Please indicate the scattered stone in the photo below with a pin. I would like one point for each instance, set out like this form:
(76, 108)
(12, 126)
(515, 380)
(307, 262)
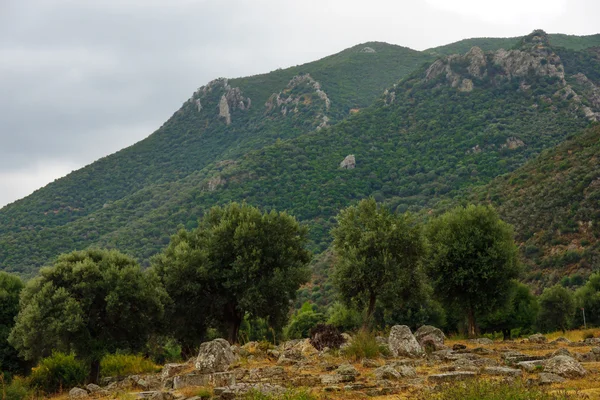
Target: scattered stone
(451, 376)
(531, 366)
(334, 379)
(458, 347)
(561, 352)
(537, 338)
(349, 162)
(591, 341)
(548, 378)
(347, 369)
(170, 370)
(369, 363)
(78, 393)
(240, 389)
(215, 356)
(406, 371)
(93, 388)
(503, 371)
(564, 366)
(387, 372)
(402, 342)
(216, 379)
(482, 351)
(430, 337)
(482, 341)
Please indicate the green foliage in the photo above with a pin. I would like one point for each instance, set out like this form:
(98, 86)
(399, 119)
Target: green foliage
(588, 297)
(480, 389)
(126, 364)
(238, 262)
(163, 350)
(89, 302)
(344, 318)
(56, 373)
(473, 260)
(17, 389)
(363, 345)
(557, 308)
(10, 289)
(302, 321)
(290, 394)
(379, 256)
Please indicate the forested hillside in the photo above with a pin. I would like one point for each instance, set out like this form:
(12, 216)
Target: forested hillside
(277, 141)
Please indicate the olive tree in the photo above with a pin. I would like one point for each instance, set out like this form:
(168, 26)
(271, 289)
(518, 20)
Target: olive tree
(89, 302)
(238, 262)
(472, 261)
(10, 289)
(378, 256)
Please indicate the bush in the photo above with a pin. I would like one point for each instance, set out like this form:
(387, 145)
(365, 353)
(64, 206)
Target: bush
(363, 345)
(17, 389)
(126, 364)
(486, 390)
(57, 373)
(344, 318)
(324, 335)
(299, 394)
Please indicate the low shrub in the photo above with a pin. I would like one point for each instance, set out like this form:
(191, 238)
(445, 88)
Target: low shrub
(488, 390)
(57, 373)
(298, 394)
(16, 389)
(324, 335)
(363, 345)
(126, 364)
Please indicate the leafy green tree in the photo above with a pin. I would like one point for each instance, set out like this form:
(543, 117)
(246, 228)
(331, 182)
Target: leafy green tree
(10, 288)
(378, 256)
(89, 302)
(521, 312)
(344, 318)
(557, 306)
(588, 298)
(242, 261)
(473, 260)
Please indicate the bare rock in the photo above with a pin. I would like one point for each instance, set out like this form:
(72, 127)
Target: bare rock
(368, 50)
(78, 393)
(502, 371)
(538, 337)
(387, 372)
(548, 378)
(214, 379)
(215, 356)
(347, 369)
(531, 366)
(403, 343)
(482, 341)
(451, 377)
(430, 337)
(170, 370)
(349, 162)
(93, 388)
(564, 366)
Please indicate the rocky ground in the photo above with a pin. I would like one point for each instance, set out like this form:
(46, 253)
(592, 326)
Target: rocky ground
(417, 364)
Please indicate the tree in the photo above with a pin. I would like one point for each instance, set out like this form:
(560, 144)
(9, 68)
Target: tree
(90, 302)
(10, 288)
(472, 261)
(303, 320)
(557, 307)
(242, 261)
(521, 312)
(588, 298)
(378, 256)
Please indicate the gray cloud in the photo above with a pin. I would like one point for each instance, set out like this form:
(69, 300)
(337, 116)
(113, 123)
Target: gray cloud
(81, 79)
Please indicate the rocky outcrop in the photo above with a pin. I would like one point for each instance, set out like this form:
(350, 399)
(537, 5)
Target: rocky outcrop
(78, 393)
(538, 338)
(231, 98)
(214, 182)
(368, 49)
(564, 366)
(349, 162)
(430, 337)
(214, 356)
(403, 343)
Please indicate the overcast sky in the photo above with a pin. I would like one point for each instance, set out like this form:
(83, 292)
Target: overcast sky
(80, 79)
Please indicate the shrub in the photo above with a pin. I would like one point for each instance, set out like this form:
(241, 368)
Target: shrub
(17, 389)
(126, 364)
(486, 390)
(324, 335)
(363, 345)
(344, 318)
(298, 394)
(58, 372)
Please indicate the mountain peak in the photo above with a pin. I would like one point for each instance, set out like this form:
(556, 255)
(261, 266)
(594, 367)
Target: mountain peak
(536, 39)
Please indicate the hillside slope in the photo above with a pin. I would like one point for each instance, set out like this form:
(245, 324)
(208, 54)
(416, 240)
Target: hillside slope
(450, 125)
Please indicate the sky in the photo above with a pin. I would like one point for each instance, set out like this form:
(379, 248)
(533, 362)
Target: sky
(81, 79)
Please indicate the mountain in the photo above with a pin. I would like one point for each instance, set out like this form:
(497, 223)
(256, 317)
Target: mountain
(314, 138)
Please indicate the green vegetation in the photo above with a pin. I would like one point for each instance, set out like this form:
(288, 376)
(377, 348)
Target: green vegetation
(58, 372)
(126, 364)
(490, 390)
(379, 257)
(302, 321)
(557, 307)
(10, 289)
(300, 394)
(238, 262)
(90, 302)
(473, 260)
(363, 345)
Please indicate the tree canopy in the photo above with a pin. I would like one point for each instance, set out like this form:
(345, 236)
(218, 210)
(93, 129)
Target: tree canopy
(378, 253)
(240, 260)
(90, 302)
(473, 260)
(10, 288)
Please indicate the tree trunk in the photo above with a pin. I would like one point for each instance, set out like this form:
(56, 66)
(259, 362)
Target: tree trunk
(370, 311)
(94, 371)
(471, 323)
(506, 334)
(234, 328)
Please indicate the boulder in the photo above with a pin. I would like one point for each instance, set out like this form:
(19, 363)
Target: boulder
(548, 379)
(459, 347)
(215, 379)
(78, 393)
(430, 337)
(564, 366)
(402, 342)
(531, 366)
(451, 377)
(561, 339)
(215, 356)
(93, 388)
(502, 371)
(347, 369)
(482, 341)
(170, 370)
(387, 372)
(349, 162)
(537, 338)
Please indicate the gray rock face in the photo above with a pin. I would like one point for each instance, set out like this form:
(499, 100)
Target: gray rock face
(93, 388)
(368, 50)
(78, 393)
(170, 370)
(349, 162)
(214, 356)
(430, 337)
(564, 366)
(347, 369)
(482, 341)
(538, 338)
(531, 366)
(502, 371)
(387, 372)
(451, 377)
(214, 379)
(561, 339)
(402, 342)
(548, 379)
